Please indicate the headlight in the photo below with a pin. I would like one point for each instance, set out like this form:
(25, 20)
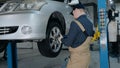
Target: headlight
(26, 30)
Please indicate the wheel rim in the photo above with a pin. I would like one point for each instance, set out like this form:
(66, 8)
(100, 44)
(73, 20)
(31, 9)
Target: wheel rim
(54, 42)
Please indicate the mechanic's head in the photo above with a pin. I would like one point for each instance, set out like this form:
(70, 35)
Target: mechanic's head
(79, 6)
(78, 10)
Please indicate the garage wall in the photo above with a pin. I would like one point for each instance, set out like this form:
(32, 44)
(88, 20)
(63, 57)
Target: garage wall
(88, 1)
(27, 45)
(118, 18)
(118, 8)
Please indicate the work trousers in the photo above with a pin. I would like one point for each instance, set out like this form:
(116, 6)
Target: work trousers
(80, 56)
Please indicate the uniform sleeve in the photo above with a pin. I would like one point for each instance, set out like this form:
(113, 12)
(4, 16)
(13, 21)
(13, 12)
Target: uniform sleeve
(68, 39)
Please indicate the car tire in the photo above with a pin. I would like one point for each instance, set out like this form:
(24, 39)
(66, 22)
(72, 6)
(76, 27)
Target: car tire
(51, 46)
(3, 45)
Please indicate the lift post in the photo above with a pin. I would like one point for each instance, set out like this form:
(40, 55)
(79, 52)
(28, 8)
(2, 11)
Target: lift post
(12, 55)
(102, 21)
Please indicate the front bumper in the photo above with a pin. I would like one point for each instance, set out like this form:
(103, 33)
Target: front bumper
(18, 21)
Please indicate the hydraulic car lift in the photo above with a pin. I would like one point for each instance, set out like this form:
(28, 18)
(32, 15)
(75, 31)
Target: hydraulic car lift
(104, 61)
(12, 54)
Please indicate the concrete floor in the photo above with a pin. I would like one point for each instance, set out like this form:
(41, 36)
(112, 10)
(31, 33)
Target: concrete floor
(31, 58)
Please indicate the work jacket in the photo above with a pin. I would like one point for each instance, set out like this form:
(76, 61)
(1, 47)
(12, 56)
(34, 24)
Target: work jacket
(75, 36)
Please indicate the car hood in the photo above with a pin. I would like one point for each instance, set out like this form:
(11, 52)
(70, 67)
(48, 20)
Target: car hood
(21, 16)
(18, 18)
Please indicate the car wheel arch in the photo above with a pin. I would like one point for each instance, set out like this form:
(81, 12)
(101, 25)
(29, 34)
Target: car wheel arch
(57, 16)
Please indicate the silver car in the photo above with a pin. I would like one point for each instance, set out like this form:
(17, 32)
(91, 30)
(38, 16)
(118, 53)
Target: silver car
(40, 21)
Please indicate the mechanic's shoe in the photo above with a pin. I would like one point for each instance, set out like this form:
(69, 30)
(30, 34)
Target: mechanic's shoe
(73, 2)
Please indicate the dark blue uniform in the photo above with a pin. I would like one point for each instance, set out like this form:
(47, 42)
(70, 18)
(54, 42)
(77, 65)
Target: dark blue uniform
(76, 36)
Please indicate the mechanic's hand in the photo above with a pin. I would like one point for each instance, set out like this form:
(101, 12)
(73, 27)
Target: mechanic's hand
(59, 38)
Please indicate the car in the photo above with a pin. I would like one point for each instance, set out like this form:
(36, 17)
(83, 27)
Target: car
(3, 44)
(36, 21)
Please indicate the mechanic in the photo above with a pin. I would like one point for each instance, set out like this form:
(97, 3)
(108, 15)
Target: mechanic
(77, 40)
